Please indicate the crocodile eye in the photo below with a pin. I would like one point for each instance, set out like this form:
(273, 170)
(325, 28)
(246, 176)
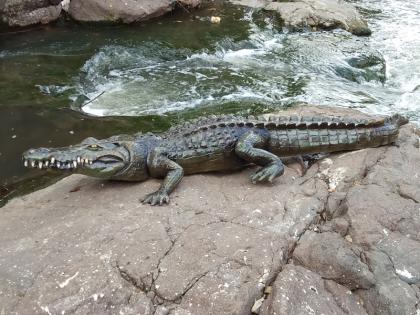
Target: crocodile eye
(94, 147)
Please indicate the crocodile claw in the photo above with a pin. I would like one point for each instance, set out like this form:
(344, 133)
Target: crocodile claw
(267, 174)
(156, 198)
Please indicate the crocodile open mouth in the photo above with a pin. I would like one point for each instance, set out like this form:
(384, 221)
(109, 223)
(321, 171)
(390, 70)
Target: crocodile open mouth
(78, 162)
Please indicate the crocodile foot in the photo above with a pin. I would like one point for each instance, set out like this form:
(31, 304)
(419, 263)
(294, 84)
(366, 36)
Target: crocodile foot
(268, 173)
(156, 198)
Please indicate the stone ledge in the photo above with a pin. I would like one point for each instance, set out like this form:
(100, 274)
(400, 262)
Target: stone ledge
(84, 246)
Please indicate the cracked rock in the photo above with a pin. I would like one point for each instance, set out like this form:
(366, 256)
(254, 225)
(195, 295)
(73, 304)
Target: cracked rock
(390, 295)
(329, 255)
(300, 291)
(223, 241)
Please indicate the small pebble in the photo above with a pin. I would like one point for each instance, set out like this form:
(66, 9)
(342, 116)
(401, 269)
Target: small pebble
(215, 19)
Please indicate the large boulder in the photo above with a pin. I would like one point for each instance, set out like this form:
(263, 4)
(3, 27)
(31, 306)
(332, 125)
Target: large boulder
(316, 14)
(28, 12)
(126, 11)
(342, 239)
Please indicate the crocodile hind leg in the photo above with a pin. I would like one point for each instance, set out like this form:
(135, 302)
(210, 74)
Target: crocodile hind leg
(299, 159)
(249, 147)
(160, 166)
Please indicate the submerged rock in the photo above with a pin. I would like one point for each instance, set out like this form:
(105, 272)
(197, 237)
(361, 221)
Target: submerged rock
(364, 67)
(316, 14)
(28, 12)
(86, 246)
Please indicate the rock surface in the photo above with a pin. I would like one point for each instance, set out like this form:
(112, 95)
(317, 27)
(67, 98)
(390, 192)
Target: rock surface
(126, 11)
(343, 239)
(316, 14)
(28, 12)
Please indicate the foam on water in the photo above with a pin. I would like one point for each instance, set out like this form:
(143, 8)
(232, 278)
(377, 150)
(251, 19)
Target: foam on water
(378, 74)
(402, 51)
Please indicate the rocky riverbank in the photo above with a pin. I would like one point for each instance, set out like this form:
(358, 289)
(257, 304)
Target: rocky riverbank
(313, 14)
(28, 12)
(342, 239)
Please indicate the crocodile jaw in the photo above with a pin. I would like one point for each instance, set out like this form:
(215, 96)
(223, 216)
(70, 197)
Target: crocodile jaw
(103, 165)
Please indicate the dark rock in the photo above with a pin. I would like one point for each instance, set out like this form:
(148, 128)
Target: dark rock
(364, 68)
(28, 12)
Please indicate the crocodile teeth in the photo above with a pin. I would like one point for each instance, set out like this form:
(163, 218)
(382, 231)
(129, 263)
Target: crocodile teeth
(52, 160)
(78, 160)
(40, 165)
(46, 163)
(26, 163)
(86, 161)
(33, 163)
(68, 166)
(90, 162)
(58, 164)
(74, 164)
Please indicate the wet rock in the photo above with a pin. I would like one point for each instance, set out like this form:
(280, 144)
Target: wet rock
(222, 242)
(28, 12)
(364, 68)
(316, 14)
(127, 11)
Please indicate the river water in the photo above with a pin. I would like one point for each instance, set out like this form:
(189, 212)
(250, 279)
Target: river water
(61, 83)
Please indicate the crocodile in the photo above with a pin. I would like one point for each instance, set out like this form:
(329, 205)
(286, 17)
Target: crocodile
(216, 143)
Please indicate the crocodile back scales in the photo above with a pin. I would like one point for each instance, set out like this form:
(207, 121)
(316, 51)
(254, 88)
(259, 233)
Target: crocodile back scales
(289, 135)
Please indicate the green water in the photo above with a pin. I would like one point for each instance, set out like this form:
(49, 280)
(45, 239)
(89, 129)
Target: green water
(63, 82)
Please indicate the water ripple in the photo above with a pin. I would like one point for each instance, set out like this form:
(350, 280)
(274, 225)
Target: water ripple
(376, 74)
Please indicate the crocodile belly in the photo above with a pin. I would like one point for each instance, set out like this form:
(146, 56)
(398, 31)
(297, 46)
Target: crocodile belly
(211, 162)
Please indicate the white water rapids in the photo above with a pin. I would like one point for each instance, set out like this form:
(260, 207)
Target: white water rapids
(378, 74)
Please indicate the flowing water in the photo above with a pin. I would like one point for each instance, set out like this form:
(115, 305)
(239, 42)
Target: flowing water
(61, 83)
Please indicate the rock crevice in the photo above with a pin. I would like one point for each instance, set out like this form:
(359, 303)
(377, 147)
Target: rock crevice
(341, 239)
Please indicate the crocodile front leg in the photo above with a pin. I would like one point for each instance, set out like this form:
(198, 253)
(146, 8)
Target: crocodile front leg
(161, 166)
(247, 149)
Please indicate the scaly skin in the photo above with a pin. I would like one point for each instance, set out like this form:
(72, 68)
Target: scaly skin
(215, 144)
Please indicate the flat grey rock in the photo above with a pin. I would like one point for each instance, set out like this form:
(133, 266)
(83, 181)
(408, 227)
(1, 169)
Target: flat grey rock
(127, 11)
(223, 245)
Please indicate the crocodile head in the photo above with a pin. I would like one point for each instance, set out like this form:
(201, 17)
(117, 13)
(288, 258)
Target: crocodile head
(113, 158)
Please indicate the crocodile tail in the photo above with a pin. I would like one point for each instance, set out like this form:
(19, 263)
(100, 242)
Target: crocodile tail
(398, 120)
